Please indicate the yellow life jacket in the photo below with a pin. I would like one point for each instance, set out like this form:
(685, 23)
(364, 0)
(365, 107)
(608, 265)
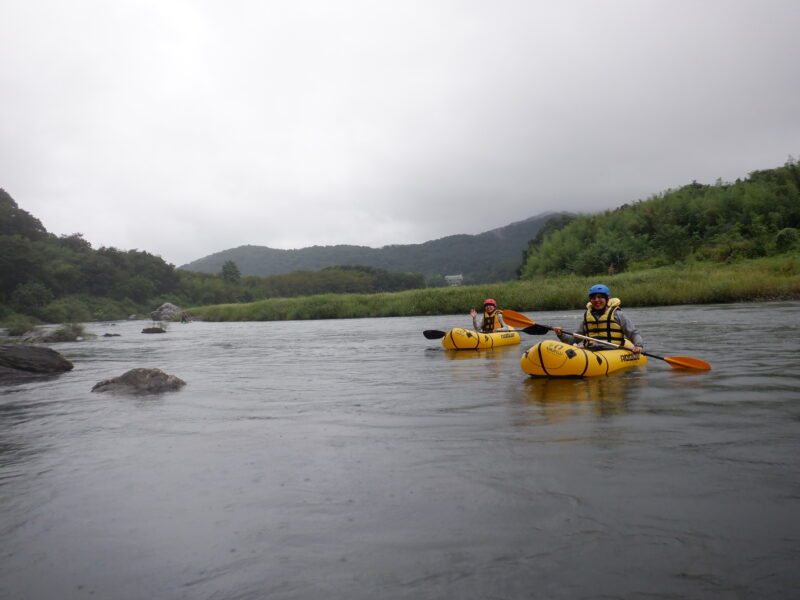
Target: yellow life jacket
(604, 327)
(490, 323)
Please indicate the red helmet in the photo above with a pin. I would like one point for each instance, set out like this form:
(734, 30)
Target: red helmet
(490, 301)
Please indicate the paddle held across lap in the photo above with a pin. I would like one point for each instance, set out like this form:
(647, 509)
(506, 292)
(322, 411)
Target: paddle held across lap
(531, 327)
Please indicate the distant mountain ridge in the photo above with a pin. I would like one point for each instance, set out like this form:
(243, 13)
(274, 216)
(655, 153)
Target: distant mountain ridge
(487, 257)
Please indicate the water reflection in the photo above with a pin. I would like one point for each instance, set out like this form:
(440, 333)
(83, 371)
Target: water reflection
(564, 397)
(468, 354)
(499, 353)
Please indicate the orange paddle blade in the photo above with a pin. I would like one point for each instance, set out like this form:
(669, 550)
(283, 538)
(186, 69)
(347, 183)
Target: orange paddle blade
(687, 362)
(515, 319)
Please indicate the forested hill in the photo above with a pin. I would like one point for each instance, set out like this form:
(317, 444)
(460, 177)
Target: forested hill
(750, 218)
(487, 257)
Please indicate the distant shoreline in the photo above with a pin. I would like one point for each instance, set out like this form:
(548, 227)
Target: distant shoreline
(764, 279)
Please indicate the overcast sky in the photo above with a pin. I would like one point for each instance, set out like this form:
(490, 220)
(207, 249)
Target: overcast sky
(186, 127)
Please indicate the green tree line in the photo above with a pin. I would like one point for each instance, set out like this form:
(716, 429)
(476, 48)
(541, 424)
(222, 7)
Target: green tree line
(755, 217)
(60, 279)
(228, 286)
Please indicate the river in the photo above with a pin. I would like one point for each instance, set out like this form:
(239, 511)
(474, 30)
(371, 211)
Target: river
(356, 459)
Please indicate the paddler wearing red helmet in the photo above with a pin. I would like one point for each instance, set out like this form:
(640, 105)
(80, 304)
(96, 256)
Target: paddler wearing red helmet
(492, 319)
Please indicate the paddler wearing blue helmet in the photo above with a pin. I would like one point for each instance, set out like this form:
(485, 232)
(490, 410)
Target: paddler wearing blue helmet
(604, 320)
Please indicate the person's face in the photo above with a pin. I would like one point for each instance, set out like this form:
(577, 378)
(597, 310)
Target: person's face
(598, 301)
(489, 308)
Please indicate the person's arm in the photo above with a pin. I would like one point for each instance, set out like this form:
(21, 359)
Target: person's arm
(503, 326)
(568, 338)
(474, 314)
(630, 331)
(564, 337)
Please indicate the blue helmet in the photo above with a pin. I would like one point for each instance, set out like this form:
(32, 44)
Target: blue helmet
(599, 289)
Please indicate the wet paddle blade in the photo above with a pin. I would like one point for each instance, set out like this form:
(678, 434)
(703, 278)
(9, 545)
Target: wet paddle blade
(433, 334)
(536, 330)
(687, 362)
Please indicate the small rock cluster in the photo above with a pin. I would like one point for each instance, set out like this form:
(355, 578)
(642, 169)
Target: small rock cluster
(26, 360)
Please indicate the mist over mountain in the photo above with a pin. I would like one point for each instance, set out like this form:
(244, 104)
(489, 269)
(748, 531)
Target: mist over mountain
(491, 256)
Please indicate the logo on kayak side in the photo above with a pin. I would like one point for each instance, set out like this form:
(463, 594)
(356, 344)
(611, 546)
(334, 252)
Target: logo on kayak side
(555, 349)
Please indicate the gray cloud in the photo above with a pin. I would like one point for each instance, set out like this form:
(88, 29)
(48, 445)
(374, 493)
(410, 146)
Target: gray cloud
(184, 128)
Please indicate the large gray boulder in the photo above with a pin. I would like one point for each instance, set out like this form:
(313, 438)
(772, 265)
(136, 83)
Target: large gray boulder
(140, 381)
(165, 312)
(32, 359)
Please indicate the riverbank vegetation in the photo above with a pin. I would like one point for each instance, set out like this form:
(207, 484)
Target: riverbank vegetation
(213, 289)
(771, 278)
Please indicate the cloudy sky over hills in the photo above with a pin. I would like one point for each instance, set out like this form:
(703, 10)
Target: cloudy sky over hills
(188, 127)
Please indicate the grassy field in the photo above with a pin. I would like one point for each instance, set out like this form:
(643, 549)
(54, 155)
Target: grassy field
(761, 279)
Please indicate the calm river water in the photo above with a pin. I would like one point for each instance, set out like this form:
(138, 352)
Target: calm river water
(356, 459)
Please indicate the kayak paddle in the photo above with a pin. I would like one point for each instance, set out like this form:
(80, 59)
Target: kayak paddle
(435, 334)
(531, 327)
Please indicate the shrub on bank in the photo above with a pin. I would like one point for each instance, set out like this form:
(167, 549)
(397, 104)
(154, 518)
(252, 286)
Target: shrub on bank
(17, 325)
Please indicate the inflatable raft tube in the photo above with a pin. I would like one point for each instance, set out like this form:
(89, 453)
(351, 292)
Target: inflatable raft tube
(468, 339)
(551, 358)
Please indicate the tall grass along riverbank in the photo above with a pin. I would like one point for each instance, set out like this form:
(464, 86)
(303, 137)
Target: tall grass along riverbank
(761, 279)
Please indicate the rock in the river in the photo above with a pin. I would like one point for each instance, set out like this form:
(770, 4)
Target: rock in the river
(32, 359)
(67, 333)
(165, 312)
(141, 381)
(154, 330)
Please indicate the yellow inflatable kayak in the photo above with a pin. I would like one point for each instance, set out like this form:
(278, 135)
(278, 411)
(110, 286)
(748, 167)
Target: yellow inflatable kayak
(551, 358)
(468, 339)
